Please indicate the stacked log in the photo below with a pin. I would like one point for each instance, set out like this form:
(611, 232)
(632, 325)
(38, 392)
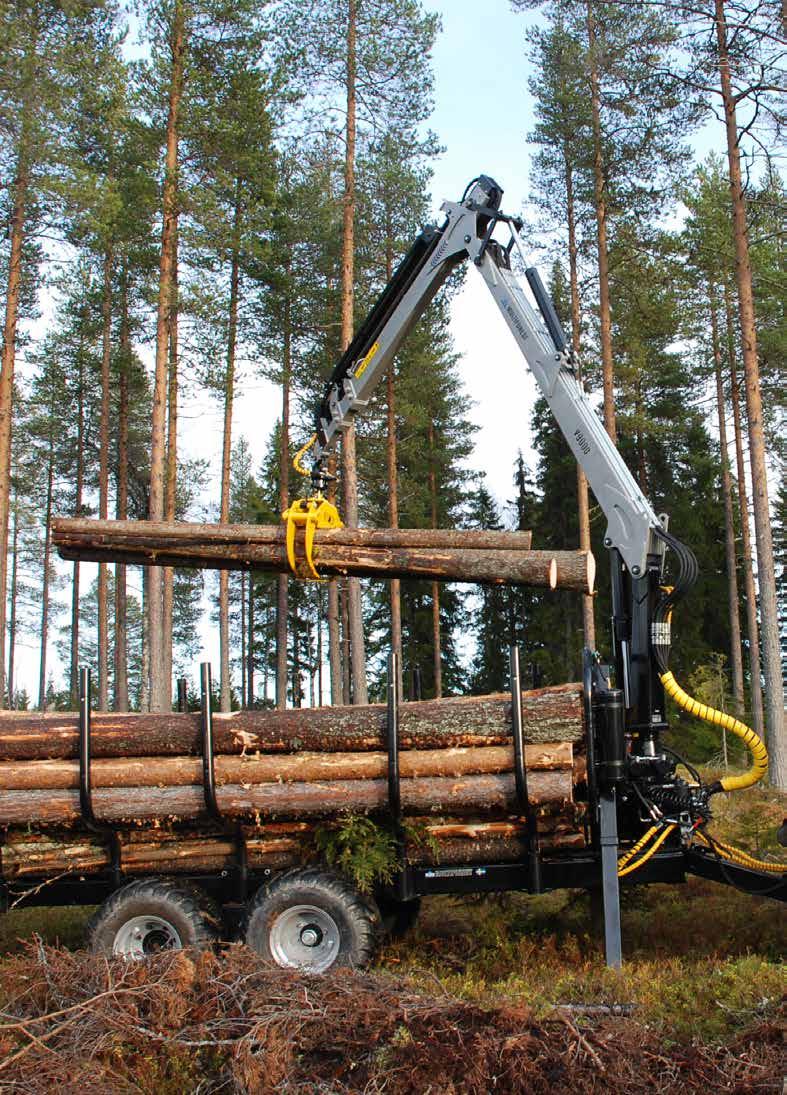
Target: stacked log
(34, 855)
(549, 715)
(494, 558)
(282, 774)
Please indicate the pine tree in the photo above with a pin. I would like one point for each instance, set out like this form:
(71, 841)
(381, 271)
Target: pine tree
(45, 53)
(489, 670)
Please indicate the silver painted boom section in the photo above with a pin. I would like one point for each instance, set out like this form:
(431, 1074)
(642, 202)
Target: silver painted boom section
(630, 518)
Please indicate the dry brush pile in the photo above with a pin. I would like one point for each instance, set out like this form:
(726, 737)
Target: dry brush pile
(197, 1022)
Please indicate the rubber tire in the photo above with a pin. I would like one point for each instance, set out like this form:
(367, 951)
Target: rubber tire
(356, 916)
(191, 913)
(399, 917)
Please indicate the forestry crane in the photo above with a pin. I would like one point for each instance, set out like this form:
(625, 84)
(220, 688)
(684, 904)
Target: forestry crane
(635, 793)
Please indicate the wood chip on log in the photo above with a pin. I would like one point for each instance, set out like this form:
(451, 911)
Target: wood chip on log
(377, 553)
(548, 715)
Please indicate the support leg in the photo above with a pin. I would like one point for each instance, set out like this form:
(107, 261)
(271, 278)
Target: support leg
(609, 878)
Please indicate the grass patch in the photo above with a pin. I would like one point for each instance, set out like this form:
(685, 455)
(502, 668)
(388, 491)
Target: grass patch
(700, 961)
(57, 926)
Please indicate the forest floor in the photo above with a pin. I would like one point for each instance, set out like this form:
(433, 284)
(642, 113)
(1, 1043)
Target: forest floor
(494, 995)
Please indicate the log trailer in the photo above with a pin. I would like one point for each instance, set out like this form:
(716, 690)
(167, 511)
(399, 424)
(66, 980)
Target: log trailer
(644, 822)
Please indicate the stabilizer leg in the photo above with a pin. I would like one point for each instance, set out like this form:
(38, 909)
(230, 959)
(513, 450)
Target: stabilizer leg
(608, 818)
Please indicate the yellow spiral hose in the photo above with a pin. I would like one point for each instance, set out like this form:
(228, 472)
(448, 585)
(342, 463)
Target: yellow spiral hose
(751, 740)
(736, 855)
(633, 866)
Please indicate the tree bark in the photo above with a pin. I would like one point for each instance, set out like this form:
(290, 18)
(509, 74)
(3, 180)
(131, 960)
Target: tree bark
(583, 502)
(600, 203)
(349, 466)
(226, 450)
(50, 479)
(12, 599)
(392, 475)
(121, 505)
(250, 644)
(747, 557)
(171, 481)
(395, 585)
(16, 229)
(549, 715)
(766, 574)
(157, 544)
(73, 675)
(437, 654)
(736, 661)
(282, 583)
(159, 697)
(103, 480)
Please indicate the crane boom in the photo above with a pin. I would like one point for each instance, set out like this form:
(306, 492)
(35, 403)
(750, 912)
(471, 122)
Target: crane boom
(467, 233)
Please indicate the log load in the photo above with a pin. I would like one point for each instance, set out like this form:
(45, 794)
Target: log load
(436, 554)
(548, 715)
(306, 765)
(34, 855)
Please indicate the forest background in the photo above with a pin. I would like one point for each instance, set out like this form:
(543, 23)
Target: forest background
(201, 199)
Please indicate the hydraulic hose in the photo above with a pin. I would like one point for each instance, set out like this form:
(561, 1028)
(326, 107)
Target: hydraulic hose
(728, 722)
(736, 855)
(635, 865)
(637, 848)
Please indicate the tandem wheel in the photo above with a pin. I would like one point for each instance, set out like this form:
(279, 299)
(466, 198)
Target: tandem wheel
(313, 920)
(151, 915)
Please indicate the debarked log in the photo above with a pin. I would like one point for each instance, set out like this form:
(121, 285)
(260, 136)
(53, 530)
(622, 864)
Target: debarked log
(36, 855)
(430, 794)
(457, 556)
(548, 715)
(53, 775)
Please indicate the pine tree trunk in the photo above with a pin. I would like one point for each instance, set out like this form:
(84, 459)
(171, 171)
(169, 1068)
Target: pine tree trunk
(159, 697)
(171, 480)
(345, 621)
(73, 676)
(46, 567)
(335, 643)
(226, 451)
(250, 644)
(103, 481)
(121, 506)
(282, 581)
(600, 203)
(12, 600)
(395, 585)
(747, 557)
(319, 647)
(437, 654)
(16, 231)
(583, 502)
(349, 465)
(766, 574)
(243, 661)
(144, 654)
(736, 662)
